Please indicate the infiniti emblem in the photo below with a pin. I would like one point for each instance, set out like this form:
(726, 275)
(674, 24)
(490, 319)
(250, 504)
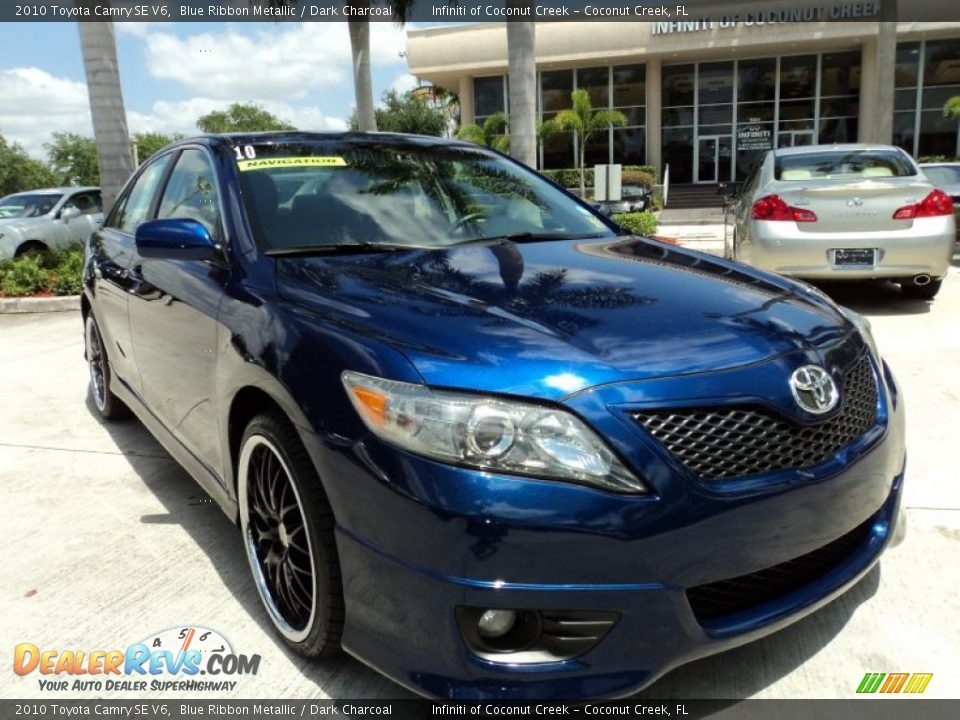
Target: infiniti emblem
(814, 389)
(854, 202)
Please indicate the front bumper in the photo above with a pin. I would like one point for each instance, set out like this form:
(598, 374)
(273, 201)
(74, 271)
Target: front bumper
(923, 249)
(417, 539)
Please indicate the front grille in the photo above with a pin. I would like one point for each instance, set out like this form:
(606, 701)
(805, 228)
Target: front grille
(734, 441)
(729, 597)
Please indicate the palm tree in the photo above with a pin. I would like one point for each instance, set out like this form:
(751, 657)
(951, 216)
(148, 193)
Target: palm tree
(362, 82)
(523, 89)
(115, 158)
(951, 110)
(585, 122)
(494, 133)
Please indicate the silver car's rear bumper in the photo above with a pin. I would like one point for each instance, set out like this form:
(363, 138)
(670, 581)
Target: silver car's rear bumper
(925, 248)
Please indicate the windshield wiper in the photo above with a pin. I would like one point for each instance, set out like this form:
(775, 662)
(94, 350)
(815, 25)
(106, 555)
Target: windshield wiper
(345, 249)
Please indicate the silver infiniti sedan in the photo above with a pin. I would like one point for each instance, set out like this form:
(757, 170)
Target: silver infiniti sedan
(844, 212)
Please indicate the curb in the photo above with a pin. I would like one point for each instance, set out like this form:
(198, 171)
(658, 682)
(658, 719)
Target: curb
(20, 305)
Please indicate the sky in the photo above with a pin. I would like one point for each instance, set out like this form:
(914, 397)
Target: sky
(172, 73)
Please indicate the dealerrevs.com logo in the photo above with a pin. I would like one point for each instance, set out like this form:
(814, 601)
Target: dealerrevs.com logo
(177, 659)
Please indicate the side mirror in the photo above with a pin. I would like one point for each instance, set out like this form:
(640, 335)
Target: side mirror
(728, 190)
(68, 214)
(175, 239)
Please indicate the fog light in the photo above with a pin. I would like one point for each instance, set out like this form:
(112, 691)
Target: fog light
(496, 623)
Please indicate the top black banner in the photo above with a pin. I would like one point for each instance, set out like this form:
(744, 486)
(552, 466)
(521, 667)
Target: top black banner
(676, 16)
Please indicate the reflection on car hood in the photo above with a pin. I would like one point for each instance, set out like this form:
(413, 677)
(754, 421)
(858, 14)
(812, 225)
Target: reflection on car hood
(22, 222)
(550, 318)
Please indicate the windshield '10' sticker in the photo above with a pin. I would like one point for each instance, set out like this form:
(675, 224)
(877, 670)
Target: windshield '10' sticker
(283, 162)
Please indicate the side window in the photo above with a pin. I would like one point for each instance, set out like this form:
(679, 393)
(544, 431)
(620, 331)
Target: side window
(134, 208)
(88, 203)
(192, 193)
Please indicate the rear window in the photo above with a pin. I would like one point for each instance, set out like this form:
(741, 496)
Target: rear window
(843, 165)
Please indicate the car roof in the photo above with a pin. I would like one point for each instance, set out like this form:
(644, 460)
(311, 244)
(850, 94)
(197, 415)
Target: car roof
(806, 149)
(280, 136)
(945, 163)
(53, 191)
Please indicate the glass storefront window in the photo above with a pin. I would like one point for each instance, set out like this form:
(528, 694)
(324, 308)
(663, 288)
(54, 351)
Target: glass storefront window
(630, 146)
(635, 115)
(558, 151)
(755, 112)
(938, 136)
(839, 106)
(678, 82)
(838, 130)
(629, 85)
(715, 83)
(714, 114)
(941, 63)
(596, 81)
(677, 116)
(757, 79)
(797, 109)
(488, 97)
(677, 150)
(905, 99)
(903, 130)
(798, 76)
(598, 149)
(840, 73)
(556, 86)
(908, 65)
(934, 98)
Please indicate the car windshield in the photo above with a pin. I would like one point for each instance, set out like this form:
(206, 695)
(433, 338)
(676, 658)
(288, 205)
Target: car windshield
(318, 194)
(943, 174)
(843, 165)
(23, 206)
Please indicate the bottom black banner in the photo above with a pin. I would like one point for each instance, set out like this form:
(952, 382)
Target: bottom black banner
(877, 708)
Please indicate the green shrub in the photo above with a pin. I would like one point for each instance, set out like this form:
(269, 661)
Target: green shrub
(24, 275)
(641, 223)
(631, 175)
(33, 273)
(68, 273)
(936, 159)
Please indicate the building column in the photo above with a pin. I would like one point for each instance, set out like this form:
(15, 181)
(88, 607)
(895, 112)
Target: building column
(654, 102)
(465, 92)
(886, 69)
(866, 123)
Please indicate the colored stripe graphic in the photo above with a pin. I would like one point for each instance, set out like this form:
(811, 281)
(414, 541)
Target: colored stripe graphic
(913, 683)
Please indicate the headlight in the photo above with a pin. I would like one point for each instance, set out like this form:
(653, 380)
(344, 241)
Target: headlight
(487, 433)
(863, 327)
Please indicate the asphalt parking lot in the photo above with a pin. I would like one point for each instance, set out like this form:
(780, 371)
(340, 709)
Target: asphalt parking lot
(108, 540)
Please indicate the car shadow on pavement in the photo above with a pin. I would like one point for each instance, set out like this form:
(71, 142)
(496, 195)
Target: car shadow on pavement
(738, 673)
(874, 298)
(188, 506)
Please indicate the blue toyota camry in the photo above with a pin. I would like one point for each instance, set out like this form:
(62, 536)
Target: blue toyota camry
(474, 433)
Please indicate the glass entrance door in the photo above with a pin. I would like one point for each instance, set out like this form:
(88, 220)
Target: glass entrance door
(714, 158)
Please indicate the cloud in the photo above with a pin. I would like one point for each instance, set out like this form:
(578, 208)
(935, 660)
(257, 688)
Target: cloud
(404, 83)
(35, 104)
(278, 63)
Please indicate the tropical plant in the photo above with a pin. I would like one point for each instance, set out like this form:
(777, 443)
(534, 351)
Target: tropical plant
(150, 142)
(951, 110)
(405, 113)
(494, 133)
(582, 119)
(241, 117)
(73, 158)
(19, 171)
(99, 49)
(638, 223)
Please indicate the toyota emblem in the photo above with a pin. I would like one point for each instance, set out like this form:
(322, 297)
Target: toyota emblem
(814, 389)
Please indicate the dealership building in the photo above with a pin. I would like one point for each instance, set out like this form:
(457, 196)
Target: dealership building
(708, 96)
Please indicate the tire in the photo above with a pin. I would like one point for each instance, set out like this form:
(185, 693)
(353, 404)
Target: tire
(921, 292)
(287, 529)
(108, 405)
(31, 247)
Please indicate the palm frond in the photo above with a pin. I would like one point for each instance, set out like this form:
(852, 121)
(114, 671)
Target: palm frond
(951, 110)
(471, 133)
(602, 119)
(568, 120)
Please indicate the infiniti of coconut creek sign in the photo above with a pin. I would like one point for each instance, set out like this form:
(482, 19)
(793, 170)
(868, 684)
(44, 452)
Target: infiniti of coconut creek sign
(816, 13)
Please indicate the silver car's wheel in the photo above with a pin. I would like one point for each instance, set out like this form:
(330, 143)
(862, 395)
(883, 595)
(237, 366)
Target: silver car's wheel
(287, 530)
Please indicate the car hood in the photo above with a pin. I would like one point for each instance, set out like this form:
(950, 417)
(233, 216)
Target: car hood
(548, 319)
(19, 223)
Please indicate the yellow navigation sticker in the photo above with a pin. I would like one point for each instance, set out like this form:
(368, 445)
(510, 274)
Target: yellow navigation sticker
(285, 162)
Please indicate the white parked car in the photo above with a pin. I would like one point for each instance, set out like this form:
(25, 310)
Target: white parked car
(844, 212)
(51, 219)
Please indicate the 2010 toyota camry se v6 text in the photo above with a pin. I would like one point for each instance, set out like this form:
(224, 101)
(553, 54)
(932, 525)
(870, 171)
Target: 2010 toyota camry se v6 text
(472, 432)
